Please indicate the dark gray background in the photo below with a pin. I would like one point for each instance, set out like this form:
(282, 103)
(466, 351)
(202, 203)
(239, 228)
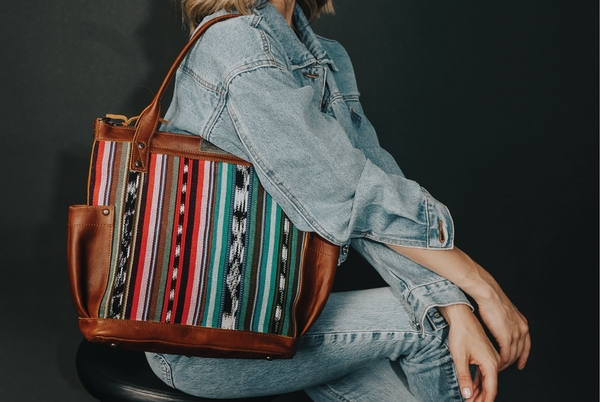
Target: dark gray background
(492, 106)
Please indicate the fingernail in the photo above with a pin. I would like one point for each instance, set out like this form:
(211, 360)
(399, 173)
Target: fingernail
(466, 393)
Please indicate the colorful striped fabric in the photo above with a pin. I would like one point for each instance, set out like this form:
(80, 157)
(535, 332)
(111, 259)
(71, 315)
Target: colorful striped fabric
(196, 242)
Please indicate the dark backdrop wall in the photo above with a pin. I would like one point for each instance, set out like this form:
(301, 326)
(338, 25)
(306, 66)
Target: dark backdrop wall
(491, 106)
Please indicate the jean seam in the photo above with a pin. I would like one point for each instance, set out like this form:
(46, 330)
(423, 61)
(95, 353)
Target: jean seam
(166, 370)
(328, 390)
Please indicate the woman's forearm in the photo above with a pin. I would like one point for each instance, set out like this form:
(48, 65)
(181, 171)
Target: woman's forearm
(502, 318)
(457, 267)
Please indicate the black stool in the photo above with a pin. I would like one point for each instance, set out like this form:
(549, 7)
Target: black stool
(119, 375)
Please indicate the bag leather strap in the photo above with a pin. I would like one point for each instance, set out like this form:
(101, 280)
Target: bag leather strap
(148, 121)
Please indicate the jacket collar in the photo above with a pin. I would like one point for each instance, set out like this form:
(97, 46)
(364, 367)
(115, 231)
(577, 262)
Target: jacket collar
(301, 52)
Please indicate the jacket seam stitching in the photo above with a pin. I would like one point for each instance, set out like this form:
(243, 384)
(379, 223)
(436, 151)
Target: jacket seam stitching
(201, 82)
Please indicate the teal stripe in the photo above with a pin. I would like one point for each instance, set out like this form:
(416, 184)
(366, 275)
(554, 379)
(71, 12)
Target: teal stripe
(271, 268)
(219, 245)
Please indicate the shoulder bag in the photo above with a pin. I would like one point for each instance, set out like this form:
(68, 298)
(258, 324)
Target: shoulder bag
(180, 250)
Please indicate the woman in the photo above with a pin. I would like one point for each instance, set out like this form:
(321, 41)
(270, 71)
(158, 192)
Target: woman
(266, 89)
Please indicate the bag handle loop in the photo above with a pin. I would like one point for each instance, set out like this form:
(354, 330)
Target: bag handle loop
(148, 120)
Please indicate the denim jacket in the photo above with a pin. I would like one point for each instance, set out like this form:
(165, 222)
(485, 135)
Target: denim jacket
(289, 104)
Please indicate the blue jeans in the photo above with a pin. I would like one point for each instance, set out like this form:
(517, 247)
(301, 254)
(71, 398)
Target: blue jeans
(348, 355)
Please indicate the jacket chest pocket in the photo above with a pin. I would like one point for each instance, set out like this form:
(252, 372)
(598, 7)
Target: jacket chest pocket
(315, 77)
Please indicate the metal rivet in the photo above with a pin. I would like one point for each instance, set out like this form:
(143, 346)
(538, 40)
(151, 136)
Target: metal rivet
(141, 145)
(114, 345)
(269, 358)
(345, 249)
(417, 325)
(138, 163)
(105, 212)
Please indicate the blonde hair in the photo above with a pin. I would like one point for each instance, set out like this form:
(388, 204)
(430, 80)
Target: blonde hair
(195, 10)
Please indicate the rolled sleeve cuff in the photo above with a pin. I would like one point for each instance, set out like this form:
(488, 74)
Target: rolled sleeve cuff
(441, 293)
(440, 233)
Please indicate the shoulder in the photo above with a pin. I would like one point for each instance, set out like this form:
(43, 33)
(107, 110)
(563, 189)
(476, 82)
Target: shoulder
(229, 48)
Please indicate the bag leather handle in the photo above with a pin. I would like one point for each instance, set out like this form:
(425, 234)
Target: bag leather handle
(148, 120)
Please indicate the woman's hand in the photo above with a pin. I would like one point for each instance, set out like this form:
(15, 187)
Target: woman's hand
(508, 326)
(470, 345)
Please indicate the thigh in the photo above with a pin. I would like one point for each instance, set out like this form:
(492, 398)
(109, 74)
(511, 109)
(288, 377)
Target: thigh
(356, 329)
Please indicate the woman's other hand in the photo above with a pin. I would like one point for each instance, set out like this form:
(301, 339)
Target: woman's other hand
(470, 345)
(508, 326)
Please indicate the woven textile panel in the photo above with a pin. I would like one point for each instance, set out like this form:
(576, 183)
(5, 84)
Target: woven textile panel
(245, 275)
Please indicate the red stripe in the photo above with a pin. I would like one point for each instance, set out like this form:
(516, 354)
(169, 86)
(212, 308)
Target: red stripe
(184, 233)
(198, 182)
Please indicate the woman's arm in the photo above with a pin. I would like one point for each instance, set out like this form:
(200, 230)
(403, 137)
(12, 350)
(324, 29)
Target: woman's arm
(507, 325)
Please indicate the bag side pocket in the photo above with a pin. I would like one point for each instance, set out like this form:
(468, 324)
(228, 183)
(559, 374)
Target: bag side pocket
(89, 247)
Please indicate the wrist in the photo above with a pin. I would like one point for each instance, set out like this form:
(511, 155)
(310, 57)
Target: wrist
(479, 284)
(455, 312)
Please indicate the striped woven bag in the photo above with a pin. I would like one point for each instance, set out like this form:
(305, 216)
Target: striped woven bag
(180, 249)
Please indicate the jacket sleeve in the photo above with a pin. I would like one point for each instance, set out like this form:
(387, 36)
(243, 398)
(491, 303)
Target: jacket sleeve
(307, 163)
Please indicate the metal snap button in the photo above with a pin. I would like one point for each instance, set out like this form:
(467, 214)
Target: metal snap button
(138, 163)
(141, 145)
(269, 358)
(417, 325)
(105, 212)
(345, 249)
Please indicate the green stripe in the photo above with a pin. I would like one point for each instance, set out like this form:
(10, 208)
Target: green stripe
(172, 210)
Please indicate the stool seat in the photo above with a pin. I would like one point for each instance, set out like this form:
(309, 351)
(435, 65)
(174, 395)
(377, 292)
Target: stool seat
(120, 375)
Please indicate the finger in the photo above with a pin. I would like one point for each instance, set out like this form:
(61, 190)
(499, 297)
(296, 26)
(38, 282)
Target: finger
(505, 352)
(477, 386)
(525, 354)
(508, 358)
(465, 383)
(489, 382)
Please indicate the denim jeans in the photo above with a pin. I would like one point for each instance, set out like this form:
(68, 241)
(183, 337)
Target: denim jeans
(348, 355)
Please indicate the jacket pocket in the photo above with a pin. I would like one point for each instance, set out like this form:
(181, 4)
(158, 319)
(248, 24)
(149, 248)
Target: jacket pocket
(89, 245)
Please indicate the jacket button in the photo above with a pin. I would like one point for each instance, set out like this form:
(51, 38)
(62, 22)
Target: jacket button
(345, 249)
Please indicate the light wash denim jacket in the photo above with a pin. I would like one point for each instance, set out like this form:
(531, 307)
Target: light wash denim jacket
(290, 105)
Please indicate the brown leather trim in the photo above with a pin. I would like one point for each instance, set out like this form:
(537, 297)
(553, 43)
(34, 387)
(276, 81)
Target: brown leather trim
(181, 145)
(89, 245)
(318, 271)
(188, 340)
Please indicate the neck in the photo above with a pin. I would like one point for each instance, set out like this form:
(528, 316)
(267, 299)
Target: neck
(286, 8)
